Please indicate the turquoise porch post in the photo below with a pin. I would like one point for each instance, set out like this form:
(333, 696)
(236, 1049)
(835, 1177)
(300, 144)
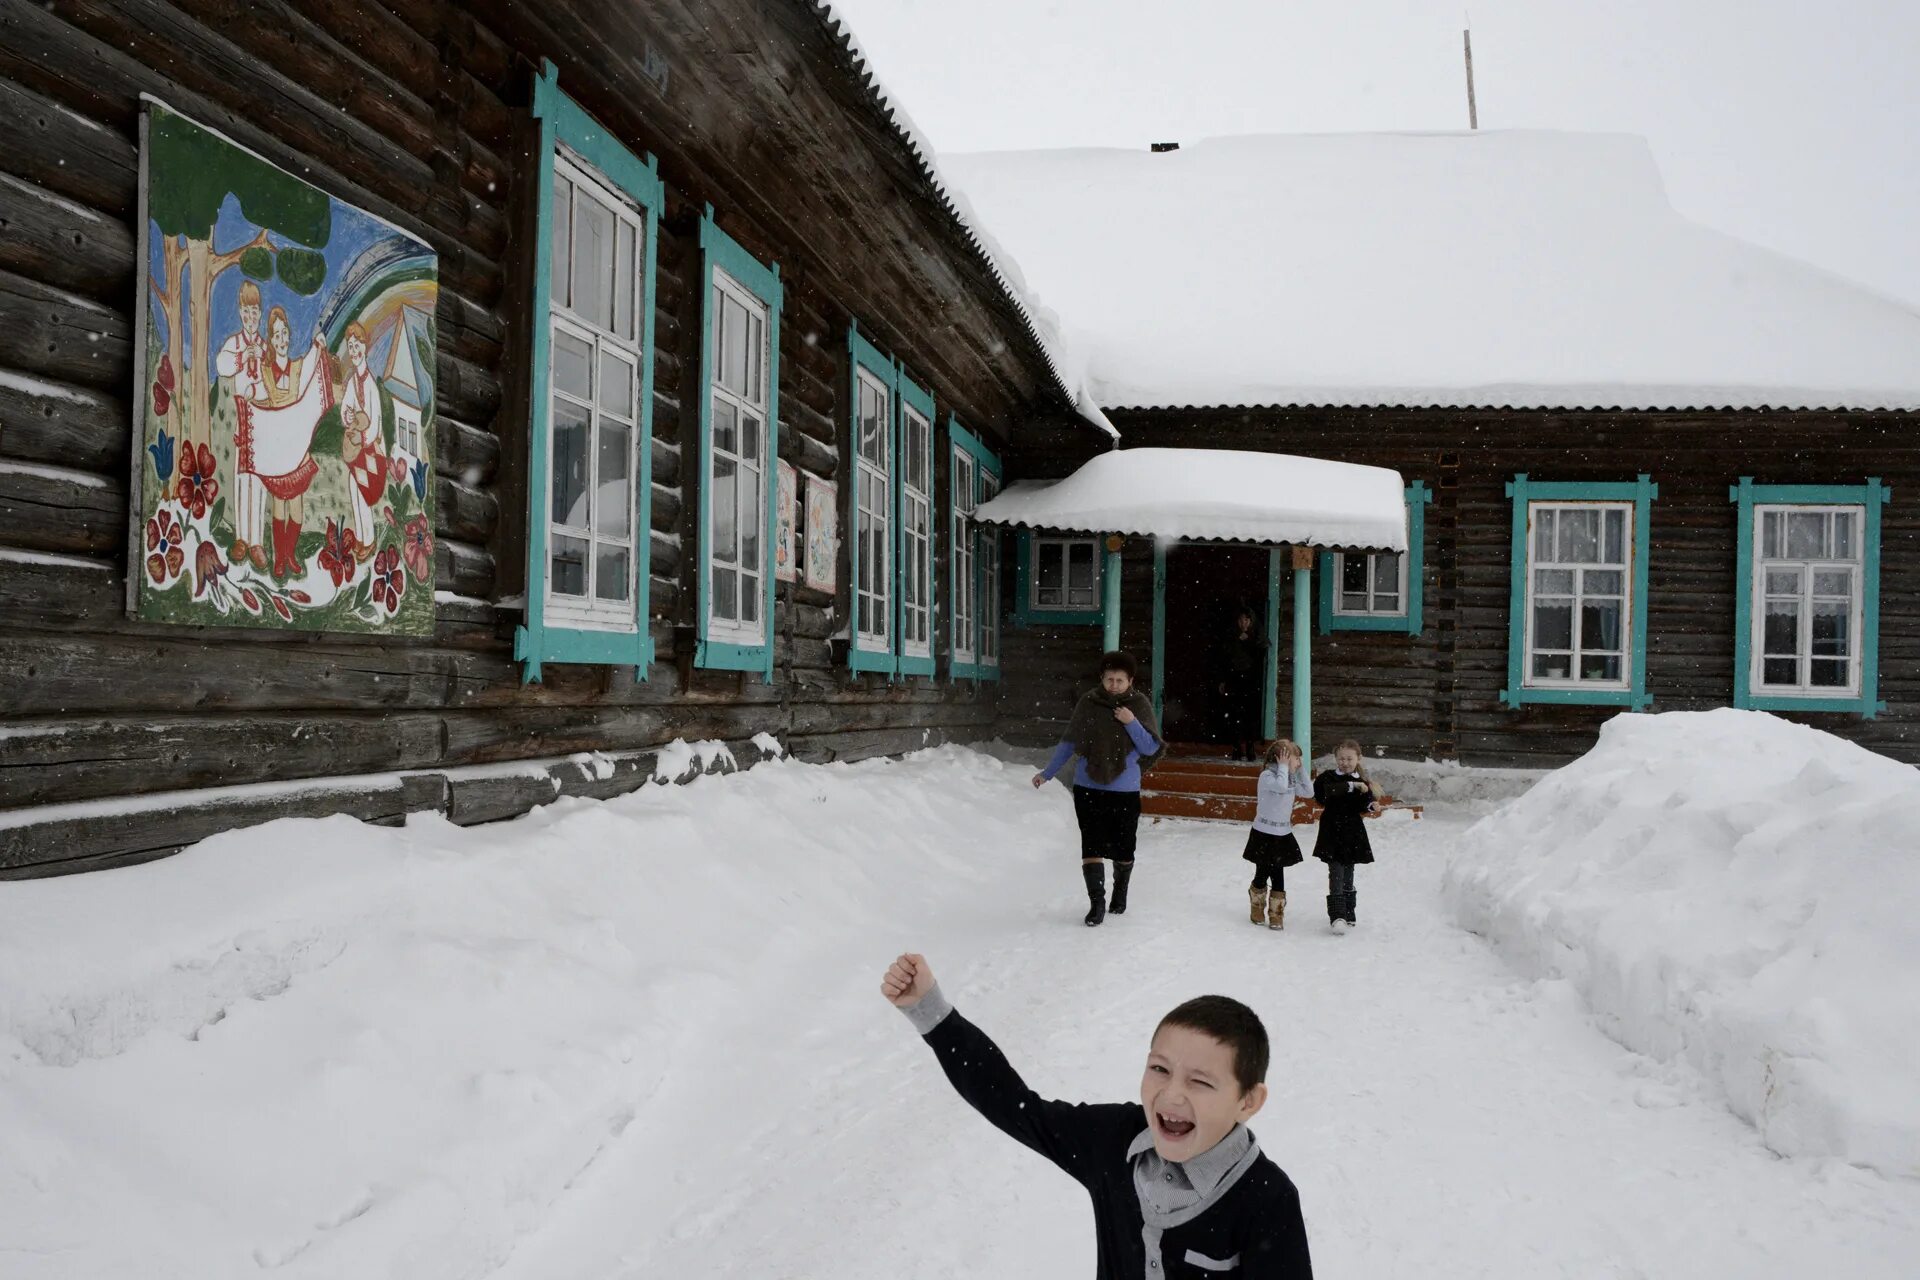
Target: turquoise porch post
(1302, 650)
(1110, 601)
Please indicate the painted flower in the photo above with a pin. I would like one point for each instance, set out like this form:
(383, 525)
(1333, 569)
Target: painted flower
(162, 452)
(208, 564)
(249, 599)
(416, 547)
(418, 474)
(162, 400)
(280, 607)
(389, 581)
(165, 552)
(197, 488)
(337, 554)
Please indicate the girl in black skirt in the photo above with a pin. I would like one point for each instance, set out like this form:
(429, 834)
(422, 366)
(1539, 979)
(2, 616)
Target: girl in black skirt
(1347, 796)
(1271, 847)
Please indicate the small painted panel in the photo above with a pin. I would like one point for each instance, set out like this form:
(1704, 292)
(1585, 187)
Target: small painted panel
(822, 545)
(786, 564)
(286, 401)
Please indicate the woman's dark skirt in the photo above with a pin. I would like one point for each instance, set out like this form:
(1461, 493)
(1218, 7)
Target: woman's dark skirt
(1264, 847)
(1109, 821)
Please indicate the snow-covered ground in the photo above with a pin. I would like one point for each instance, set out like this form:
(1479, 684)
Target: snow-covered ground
(643, 1038)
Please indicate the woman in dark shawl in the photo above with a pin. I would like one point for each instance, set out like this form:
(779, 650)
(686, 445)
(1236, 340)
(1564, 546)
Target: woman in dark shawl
(1114, 733)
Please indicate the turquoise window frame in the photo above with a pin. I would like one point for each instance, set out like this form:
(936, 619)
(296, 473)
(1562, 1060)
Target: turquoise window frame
(917, 397)
(762, 280)
(1418, 496)
(863, 355)
(1641, 492)
(537, 642)
(1024, 615)
(1870, 497)
(985, 462)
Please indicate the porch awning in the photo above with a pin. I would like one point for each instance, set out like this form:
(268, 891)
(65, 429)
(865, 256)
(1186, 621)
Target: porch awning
(1229, 495)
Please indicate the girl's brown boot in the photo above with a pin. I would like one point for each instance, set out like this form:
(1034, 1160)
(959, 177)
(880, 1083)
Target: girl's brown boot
(1257, 903)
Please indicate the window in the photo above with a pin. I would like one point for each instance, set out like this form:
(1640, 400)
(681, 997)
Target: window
(1807, 598)
(1058, 580)
(1578, 631)
(873, 466)
(738, 417)
(974, 612)
(594, 384)
(1379, 590)
(589, 468)
(916, 533)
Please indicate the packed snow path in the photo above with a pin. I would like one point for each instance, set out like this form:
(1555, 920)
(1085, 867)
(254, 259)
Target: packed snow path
(645, 1039)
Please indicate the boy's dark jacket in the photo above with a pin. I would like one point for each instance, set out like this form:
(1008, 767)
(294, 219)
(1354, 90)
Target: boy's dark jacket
(1257, 1220)
(1343, 832)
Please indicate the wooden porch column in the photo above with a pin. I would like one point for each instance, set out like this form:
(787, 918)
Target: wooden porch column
(1110, 585)
(1303, 652)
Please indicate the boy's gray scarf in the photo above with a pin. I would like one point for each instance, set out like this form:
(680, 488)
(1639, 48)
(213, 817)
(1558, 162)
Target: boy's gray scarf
(1102, 741)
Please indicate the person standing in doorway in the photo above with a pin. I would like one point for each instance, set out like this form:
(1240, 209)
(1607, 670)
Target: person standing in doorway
(1114, 733)
(1236, 685)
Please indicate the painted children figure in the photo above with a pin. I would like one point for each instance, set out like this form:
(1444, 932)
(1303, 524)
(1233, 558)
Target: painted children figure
(1180, 1188)
(362, 446)
(288, 380)
(1271, 846)
(243, 358)
(1346, 795)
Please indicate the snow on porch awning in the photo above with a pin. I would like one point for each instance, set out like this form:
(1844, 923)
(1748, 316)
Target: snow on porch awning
(1215, 495)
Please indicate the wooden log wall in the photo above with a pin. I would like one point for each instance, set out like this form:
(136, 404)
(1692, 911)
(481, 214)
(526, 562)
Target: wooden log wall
(1438, 694)
(416, 110)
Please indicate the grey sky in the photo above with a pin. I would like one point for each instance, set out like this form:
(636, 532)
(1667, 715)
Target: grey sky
(1794, 125)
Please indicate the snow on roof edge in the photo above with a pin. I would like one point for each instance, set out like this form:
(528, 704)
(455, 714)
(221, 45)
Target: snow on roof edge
(1042, 324)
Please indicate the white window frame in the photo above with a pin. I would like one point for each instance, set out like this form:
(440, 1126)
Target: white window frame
(590, 612)
(735, 630)
(1372, 610)
(966, 583)
(916, 518)
(989, 600)
(873, 525)
(1039, 544)
(1626, 571)
(1803, 655)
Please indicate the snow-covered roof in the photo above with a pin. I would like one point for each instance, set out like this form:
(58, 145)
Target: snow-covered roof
(1064, 359)
(1514, 269)
(1215, 494)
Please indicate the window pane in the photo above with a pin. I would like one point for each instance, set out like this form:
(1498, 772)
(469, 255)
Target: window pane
(1780, 632)
(1079, 565)
(1827, 674)
(873, 423)
(749, 598)
(1386, 574)
(1843, 535)
(1553, 624)
(1353, 581)
(613, 514)
(1353, 601)
(625, 283)
(572, 365)
(567, 567)
(1553, 582)
(1579, 539)
(562, 239)
(1806, 535)
(726, 532)
(610, 581)
(1386, 601)
(733, 345)
(1599, 668)
(616, 384)
(1783, 582)
(1616, 549)
(1050, 574)
(1600, 625)
(726, 594)
(750, 437)
(1832, 582)
(1552, 666)
(726, 426)
(1780, 671)
(752, 519)
(1543, 534)
(1770, 535)
(756, 389)
(1603, 582)
(593, 260)
(1832, 623)
(569, 465)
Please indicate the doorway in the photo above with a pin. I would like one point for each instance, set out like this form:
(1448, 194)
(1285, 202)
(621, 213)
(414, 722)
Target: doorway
(1207, 586)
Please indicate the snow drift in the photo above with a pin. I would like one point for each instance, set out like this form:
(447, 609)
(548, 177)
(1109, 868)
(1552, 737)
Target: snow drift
(1736, 891)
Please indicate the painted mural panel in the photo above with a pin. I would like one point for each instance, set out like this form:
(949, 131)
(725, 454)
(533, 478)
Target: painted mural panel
(822, 545)
(286, 400)
(786, 565)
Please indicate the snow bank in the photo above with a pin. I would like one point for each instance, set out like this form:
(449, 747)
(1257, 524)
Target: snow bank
(1733, 890)
(337, 1049)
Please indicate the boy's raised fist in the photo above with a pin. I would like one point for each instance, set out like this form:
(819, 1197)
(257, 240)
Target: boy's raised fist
(907, 980)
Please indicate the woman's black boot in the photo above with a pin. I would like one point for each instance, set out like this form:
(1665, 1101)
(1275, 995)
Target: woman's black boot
(1096, 877)
(1122, 872)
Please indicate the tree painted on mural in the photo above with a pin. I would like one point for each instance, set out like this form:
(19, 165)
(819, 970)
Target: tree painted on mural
(201, 172)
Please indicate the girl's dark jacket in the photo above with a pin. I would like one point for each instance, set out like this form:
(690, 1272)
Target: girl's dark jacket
(1343, 798)
(1256, 1221)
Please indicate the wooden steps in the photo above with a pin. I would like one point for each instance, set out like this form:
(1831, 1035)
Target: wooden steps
(1198, 782)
